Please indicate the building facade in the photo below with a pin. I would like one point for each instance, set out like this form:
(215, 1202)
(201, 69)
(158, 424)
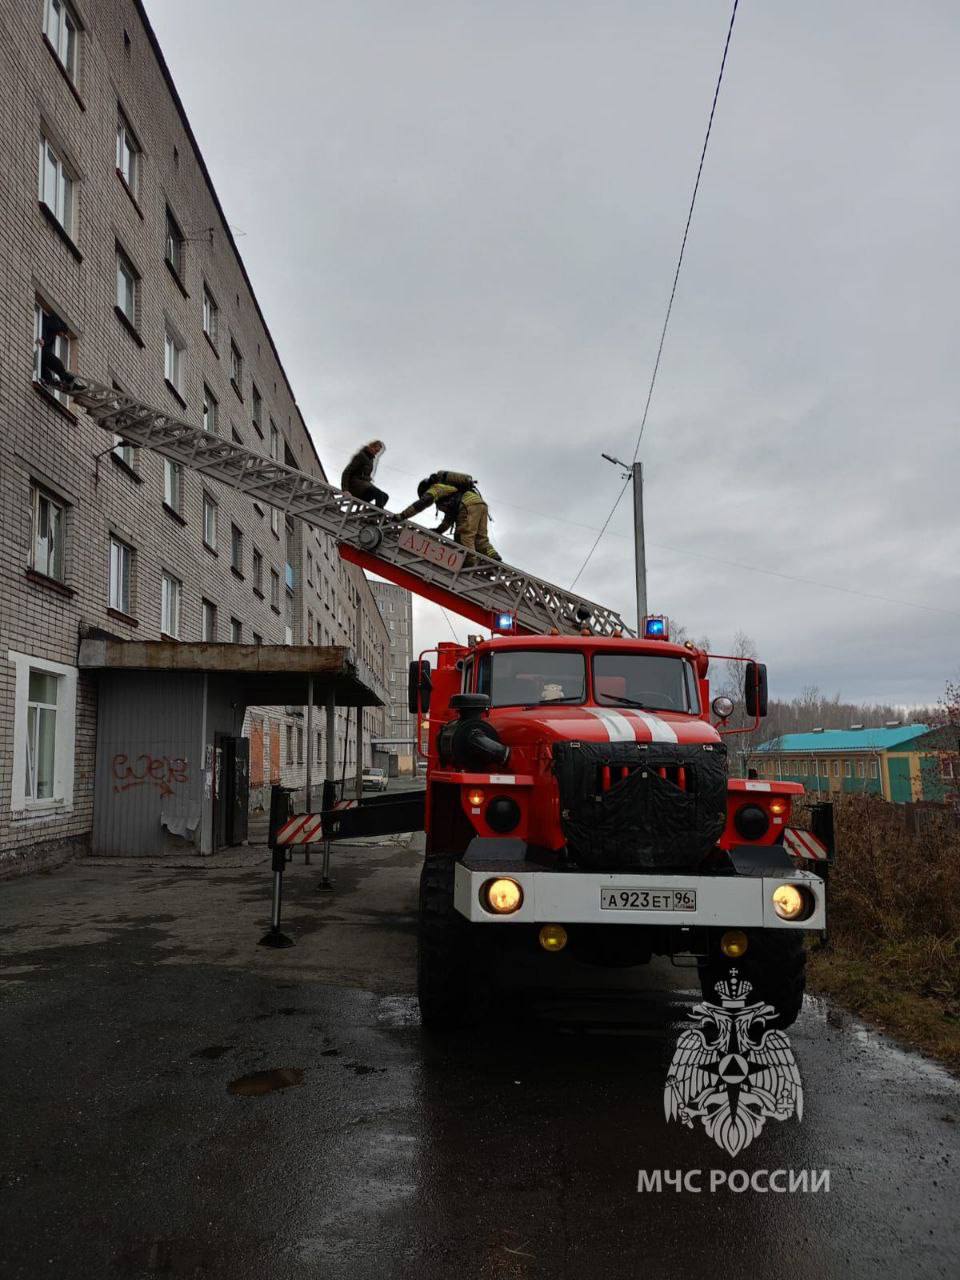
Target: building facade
(111, 223)
(396, 608)
(900, 764)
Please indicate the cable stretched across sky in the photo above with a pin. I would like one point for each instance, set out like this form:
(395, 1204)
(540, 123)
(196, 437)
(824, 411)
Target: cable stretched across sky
(673, 289)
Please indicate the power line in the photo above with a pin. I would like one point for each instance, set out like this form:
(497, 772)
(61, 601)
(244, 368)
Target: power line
(601, 532)
(673, 289)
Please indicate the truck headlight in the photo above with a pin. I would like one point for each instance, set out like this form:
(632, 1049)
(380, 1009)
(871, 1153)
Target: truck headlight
(503, 814)
(751, 821)
(793, 902)
(502, 896)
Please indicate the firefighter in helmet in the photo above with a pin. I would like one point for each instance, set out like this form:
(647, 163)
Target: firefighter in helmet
(458, 500)
(357, 478)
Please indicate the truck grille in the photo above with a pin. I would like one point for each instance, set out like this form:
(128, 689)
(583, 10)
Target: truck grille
(635, 806)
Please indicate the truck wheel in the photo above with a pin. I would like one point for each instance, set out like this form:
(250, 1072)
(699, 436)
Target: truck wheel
(447, 986)
(775, 964)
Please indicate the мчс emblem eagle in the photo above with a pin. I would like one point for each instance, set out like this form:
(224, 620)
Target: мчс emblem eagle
(731, 1072)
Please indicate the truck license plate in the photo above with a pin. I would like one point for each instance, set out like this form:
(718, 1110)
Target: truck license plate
(623, 899)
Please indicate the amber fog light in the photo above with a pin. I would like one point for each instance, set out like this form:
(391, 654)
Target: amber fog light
(734, 943)
(502, 896)
(793, 902)
(553, 937)
(475, 799)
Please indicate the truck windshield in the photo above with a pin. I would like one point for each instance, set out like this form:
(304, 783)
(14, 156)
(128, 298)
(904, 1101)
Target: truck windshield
(527, 677)
(658, 681)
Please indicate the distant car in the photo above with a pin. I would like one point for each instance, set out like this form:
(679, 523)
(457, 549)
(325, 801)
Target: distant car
(374, 780)
(421, 768)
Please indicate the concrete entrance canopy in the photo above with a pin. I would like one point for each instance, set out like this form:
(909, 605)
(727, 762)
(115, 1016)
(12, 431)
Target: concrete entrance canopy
(257, 674)
(171, 764)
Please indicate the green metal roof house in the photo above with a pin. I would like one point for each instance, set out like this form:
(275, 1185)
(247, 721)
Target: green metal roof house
(900, 763)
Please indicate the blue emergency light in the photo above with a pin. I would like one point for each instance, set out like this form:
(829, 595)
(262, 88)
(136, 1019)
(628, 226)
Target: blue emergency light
(504, 623)
(656, 627)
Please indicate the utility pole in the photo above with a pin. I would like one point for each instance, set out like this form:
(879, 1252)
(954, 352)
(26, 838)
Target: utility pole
(634, 470)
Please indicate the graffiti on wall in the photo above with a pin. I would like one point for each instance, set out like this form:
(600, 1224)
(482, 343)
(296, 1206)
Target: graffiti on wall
(160, 772)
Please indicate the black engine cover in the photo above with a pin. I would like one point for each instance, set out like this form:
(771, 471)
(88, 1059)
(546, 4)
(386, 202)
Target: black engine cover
(643, 821)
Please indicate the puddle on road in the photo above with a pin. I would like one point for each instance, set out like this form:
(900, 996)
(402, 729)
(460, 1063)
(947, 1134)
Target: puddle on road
(258, 1083)
(212, 1051)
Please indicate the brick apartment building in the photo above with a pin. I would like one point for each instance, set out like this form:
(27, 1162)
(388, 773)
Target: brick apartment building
(396, 606)
(110, 220)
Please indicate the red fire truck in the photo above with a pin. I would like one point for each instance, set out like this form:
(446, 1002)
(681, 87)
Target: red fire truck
(578, 797)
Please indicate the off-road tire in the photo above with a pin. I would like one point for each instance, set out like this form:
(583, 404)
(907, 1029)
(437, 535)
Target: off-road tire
(775, 964)
(448, 987)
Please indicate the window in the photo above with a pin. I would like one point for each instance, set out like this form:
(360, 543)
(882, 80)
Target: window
(275, 521)
(211, 316)
(309, 626)
(236, 549)
(310, 568)
(211, 411)
(257, 638)
(289, 744)
(60, 26)
(860, 769)
(122, 451)
(126, 287)
(173, 484)
(236, 630)
(257, 571)
(173, 360)
(121, 564)
(836, 768)
(288, 618)
(275, 589)
(236, 368)
(299, 745)
(43, 321)
(946, 768)
(49, 528)
(208, 621)
(173, 245)
(56, 185)
(874, 769)
(209, 522)
(257, 412)
(170, 590)
(128, 154)
(274, 442)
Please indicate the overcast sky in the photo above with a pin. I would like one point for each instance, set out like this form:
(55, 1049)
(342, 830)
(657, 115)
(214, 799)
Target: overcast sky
(462, 220)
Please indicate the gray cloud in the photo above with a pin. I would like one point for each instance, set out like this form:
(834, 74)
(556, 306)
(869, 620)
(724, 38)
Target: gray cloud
(462, 219)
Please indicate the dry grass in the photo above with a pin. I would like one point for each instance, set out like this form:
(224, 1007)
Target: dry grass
(893, 954)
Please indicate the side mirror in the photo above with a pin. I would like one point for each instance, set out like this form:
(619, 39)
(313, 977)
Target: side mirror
(418, 687)
(755, 689)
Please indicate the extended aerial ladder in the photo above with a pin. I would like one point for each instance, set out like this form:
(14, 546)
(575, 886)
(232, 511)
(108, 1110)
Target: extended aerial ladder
(398, 550)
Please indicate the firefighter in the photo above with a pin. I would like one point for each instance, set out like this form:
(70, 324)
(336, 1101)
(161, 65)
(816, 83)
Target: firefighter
(458, 500)
(357, 478)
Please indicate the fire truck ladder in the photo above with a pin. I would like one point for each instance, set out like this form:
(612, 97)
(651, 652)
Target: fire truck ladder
(398, 550)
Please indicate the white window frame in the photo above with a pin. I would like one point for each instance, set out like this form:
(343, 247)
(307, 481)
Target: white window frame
(174, 359)
(127, 274)
(210, 506)
(56, 184)
(128, 153)
(236, 631)
(236, 366)
(119, 586)
(40, 560)
(236, 548)
(211, 412)
(21, 804)
(173, 243)
(256, 410)
(173, 484)
(171, 601)
(211, 316)
(208, 612)
(274, 589)
(256, 568)
(62, 29)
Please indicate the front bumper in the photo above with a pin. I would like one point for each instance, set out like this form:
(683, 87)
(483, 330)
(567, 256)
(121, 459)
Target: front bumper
(568, 897)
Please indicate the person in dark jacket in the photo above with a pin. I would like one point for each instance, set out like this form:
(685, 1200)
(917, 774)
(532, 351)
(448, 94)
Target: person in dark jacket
(357, 478)
(52, 368)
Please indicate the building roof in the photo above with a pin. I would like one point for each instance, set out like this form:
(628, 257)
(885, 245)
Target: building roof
(846, 739)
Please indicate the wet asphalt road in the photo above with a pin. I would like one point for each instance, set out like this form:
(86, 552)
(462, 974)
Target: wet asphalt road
(133, 996)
